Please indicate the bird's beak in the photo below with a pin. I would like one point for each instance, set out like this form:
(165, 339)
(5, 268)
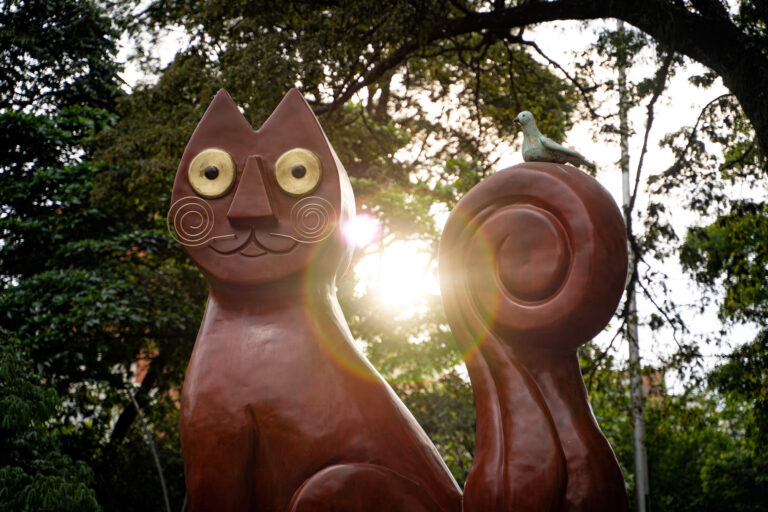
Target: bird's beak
(516, 120)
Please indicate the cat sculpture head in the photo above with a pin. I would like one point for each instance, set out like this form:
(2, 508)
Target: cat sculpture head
(255, 206)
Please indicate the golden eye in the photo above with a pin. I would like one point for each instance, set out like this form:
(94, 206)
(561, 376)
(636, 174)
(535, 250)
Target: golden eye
(298, 171)
(212, 173)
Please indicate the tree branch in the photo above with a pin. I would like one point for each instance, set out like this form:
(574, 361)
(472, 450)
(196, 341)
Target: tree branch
(582, 90)
(603, 353)
(692, 136)
(661, 82)
(126, 418)
(732, 54)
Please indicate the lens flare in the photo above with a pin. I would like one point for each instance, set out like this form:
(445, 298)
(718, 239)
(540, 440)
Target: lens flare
(362, 230)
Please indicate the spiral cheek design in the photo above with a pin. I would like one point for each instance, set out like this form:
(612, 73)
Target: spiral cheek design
(313, 219)
(540, 255)
(192, 221)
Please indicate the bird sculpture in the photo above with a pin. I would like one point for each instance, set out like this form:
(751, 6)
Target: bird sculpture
(538, 148)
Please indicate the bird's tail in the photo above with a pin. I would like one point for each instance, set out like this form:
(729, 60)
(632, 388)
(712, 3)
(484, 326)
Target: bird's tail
(591, 167)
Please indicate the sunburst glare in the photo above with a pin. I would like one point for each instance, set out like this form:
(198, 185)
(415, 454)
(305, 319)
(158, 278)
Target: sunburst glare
(362, 230)
(399, 276)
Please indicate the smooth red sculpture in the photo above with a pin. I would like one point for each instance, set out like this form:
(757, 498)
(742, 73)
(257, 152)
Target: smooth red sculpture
(532, 265)
(281, 413)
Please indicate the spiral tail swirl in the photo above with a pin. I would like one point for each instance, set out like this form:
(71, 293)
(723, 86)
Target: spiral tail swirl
(532, 265)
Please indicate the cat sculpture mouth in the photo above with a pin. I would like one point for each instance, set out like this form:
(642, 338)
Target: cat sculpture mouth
(253, 246)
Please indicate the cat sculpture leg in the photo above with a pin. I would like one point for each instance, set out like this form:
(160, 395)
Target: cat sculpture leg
(279, 409)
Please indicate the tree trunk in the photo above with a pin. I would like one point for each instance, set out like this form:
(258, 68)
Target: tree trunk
(129, 414)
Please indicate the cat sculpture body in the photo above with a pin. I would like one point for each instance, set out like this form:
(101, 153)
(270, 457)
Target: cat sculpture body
(279, 410)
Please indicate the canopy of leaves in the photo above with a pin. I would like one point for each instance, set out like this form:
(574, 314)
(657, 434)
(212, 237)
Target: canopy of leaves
(89, 294)
(392, 33)
(732, 252)
(700, 455)
(34, 473)
(698, 459)
(743, 379)
(56, 53)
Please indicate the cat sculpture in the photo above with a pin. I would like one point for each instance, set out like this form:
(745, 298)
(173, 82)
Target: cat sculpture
(280, 411)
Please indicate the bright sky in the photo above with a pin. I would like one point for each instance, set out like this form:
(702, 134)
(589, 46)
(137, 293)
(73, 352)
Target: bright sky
(407, 266)
(678, 107)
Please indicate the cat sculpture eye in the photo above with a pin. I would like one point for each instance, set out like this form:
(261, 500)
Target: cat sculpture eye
(212, 173)
(298, 171)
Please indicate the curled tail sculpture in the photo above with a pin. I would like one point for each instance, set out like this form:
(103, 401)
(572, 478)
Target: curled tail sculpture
(532, 265)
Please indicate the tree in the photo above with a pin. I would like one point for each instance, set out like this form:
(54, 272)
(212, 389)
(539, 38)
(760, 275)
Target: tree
(732, 252)
(743, 379)
(730, 255)
(55, 54)
(735, 479)
(84, 290)
(35, 474)
(697, 463)
(737, 54)
(699, 454)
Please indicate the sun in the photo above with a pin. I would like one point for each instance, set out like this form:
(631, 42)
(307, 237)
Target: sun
(362, 230)
(400, 275)
(406, 276)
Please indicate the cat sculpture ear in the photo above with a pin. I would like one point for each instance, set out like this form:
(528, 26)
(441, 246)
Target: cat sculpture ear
(294, 116)
(223, 116)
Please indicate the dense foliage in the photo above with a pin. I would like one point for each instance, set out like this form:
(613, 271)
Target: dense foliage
(88, 293)
(99, 304)
(34, 473)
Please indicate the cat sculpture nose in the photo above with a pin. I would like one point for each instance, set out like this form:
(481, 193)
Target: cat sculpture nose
(251, 203)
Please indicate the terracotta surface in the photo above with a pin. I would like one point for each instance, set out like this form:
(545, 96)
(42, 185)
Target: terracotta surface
(279, 410)
(281, 413)
(532, 265)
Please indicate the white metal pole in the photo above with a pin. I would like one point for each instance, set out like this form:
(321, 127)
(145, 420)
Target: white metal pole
(635, 382)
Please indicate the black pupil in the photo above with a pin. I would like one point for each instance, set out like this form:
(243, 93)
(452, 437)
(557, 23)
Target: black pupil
(211, 172)
(298, 171)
